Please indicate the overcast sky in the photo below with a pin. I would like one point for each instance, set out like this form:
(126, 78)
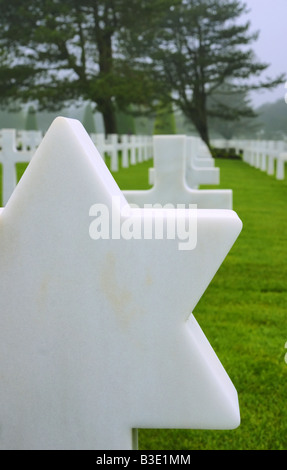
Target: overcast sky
(270, 18)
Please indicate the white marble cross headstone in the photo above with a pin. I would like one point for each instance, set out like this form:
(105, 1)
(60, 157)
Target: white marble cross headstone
(280, 171)
(96, 334)
(30, 140)
(197, 170)
(170, 185)
(9, 156)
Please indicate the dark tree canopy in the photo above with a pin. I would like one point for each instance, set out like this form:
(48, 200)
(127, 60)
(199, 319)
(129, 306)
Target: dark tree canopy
(199, 51)
(60, 51)
(118, 53)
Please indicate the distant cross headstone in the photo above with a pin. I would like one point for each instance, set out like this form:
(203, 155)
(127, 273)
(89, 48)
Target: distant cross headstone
(199, 169)
(280, 171)
(9, 156)
(29, 140)
(170, 185)
(96, 333)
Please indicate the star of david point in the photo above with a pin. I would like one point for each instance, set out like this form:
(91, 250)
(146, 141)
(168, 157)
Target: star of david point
(97, 336)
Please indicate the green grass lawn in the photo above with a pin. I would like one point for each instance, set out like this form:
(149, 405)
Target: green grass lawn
(243, 314)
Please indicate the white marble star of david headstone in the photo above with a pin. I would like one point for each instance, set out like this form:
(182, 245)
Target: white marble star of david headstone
(96, 334)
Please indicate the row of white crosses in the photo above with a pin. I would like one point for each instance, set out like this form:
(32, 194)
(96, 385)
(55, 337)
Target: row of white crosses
(16, 147)
(10, 155)
(200, 164)
(97, 336)
(266, 155)
(134, 148)
(269, 156)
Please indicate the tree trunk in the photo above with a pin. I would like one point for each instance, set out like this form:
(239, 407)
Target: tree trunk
(198, 113)
(109, 117)
(203, 132)
(201, 126)
(104, 30)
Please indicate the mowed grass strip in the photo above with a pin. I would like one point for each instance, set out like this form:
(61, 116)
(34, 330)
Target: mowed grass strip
(242, 313)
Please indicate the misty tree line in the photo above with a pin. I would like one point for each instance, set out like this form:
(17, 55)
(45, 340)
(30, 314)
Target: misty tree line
(131, 56)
